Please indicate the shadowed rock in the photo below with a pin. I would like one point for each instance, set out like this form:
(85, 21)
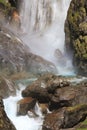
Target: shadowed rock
(65, 117)
(5, 123)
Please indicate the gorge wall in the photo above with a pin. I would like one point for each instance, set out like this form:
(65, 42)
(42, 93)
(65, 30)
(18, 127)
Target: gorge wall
(76, 34)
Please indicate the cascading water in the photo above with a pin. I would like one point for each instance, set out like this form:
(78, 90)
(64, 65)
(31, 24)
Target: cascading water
(42, 22)
(22, 122)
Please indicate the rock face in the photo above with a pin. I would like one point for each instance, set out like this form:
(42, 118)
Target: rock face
(16, 57)
(5, 123)
(7, 87)
(76, 34)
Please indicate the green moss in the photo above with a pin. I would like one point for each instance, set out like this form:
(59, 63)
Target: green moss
(77, 107)
(3, 1)
(6, 4)
(80, 46)
(81, 129)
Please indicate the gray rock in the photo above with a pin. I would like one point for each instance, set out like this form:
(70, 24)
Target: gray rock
(16, 57)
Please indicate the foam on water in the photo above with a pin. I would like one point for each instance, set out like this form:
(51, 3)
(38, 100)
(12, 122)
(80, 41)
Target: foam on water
(22, 122)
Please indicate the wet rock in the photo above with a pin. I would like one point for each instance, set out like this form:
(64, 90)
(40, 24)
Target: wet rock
(46, 85)
(55, 83)
(44, 108)
(32, 114)
(5, 123)
(82, 125)
(76, 35)
(36, 91)
(69, 96)
(7, 87)
(24, 105)
(16, 57)
(54, 121)
(65, 117)
(60, 58)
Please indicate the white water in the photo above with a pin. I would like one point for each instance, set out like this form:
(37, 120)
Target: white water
(22, 122)
(42, 23)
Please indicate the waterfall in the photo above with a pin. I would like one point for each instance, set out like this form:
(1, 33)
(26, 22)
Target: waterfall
(42, 23)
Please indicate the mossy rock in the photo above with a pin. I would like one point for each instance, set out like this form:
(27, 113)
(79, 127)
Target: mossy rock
(77, 37)
(82, 125)
(80, 46)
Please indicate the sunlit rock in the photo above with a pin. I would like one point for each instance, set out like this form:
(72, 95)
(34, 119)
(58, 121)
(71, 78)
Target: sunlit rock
(44, 108)
(24, 105)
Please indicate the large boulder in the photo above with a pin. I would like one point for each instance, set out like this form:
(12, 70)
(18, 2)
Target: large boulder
(36, 91)
(5, 123)
(16, 57)
(69, 96)
(76, 34)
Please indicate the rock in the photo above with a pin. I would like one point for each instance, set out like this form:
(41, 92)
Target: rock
(16, 57)
(54, 120)
(14, 21)
(32, 114)
(76, 35)
(65, 117)
(36, 91)
(56, 82)
(5, 123)
(82, 125)
(68, 96)
(44, 108)
(24, 105)
(60, 57)
(7, 87)
(46, 85)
